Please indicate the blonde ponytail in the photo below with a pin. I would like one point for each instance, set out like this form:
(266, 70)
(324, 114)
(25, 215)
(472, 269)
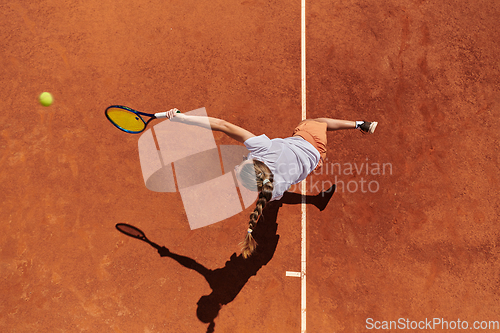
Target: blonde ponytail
(263, 177)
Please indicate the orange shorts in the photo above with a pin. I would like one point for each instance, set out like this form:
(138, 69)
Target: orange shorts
(313, 132)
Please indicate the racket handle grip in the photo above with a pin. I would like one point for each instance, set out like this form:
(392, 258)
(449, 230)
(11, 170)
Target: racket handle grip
(162, 115)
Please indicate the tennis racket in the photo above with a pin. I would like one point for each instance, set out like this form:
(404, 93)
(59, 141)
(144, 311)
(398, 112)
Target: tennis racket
(134, 232)
(130, 120)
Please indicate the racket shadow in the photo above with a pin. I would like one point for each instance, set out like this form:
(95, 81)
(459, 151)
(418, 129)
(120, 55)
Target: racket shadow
(227, 282)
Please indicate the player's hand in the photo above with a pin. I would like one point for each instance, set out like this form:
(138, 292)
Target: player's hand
(172, 113)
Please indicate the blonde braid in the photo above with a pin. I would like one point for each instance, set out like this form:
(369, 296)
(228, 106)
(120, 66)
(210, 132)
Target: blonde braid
(264, 179)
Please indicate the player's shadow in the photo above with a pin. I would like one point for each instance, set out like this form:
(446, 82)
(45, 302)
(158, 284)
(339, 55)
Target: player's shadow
(226, 282)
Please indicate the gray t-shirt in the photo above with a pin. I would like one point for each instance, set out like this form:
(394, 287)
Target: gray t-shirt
(290, 160)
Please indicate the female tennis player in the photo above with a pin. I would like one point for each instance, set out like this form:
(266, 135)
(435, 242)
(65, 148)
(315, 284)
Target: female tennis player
(272, 166)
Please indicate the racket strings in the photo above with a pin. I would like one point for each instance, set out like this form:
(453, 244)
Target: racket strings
(126, 120)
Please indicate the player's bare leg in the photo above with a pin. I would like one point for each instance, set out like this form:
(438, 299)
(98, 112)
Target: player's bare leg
(338, 124)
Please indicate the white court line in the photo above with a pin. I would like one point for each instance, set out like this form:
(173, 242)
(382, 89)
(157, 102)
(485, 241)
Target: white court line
(302, 273)
(303, 185)
(293, 274)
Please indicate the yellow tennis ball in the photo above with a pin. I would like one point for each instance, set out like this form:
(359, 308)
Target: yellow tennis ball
(46, 99)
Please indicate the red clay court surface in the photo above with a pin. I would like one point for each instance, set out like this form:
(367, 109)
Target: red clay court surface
(423, 245)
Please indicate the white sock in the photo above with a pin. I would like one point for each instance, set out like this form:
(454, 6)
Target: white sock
(359, 123)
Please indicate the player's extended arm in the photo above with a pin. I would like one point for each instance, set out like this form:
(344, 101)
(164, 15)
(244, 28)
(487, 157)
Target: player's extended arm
(215, 124)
